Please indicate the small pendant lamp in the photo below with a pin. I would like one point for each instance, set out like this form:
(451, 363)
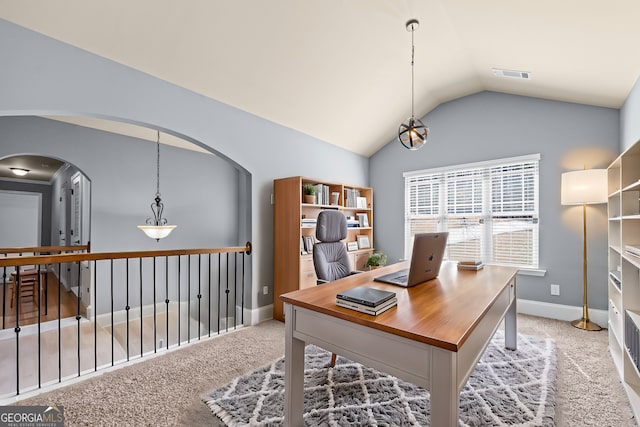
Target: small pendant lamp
(412, 133)
(157, 227)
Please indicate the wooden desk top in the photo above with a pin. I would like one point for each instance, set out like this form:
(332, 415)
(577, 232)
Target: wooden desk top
(441, 312)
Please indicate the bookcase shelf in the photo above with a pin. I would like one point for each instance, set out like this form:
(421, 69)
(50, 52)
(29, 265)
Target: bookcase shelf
(294, 219)
(623, 212)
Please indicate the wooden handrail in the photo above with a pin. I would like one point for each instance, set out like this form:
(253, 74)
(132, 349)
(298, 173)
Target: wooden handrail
(49, 249)
(98, 256)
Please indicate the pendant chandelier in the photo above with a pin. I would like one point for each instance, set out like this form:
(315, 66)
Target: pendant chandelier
(157, 227)
(412, 133)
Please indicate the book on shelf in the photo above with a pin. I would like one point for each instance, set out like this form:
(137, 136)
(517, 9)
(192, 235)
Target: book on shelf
(322, 194)
(351, 196)
(470, 265)
(632, 339)
(615, 279)
(308, 222)
(352, 223)
(374, 311)
(632, 250)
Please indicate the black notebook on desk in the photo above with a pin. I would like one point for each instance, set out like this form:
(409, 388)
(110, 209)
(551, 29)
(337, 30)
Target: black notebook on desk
(366, 296)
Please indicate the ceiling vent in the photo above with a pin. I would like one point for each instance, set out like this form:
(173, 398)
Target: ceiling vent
(511, 73)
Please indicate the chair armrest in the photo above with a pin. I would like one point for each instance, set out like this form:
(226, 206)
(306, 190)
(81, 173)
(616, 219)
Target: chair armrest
(321, 282)
(356, 272)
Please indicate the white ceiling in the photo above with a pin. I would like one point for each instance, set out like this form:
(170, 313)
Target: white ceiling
(339, 70)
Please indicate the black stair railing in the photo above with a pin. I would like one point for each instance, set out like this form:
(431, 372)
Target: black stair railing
(126, 306)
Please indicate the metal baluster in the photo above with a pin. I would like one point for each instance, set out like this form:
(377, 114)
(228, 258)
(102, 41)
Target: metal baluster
(59, 323)
(126, 308)
(39, 330)
(226, 291)
(242, 304)
(188, 298)
(155, 321)
(199, 294)
(17, 329)
(95, 316)
(4, 295)
(235, 289)
(78, 317)
(141, 341)
(209, 285)
(218, 290)
(179, 300)
(166, 301)
(112, 331)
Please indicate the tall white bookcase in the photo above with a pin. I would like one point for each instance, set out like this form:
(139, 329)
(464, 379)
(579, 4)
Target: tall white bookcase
(624, 270)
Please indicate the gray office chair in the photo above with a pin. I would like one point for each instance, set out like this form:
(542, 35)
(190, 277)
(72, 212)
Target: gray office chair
(330, 258)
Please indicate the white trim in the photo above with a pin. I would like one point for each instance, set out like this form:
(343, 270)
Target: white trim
(532, 272)
(253, 316)
(475, 165)
(561, 312)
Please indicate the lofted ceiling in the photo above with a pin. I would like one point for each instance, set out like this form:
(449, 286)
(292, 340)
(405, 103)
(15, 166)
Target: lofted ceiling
(339, 70)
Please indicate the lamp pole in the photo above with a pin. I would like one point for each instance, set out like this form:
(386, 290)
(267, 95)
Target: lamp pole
(585, 323)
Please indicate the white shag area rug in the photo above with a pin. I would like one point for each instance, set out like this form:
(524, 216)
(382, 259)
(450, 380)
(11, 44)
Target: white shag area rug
(506, 388)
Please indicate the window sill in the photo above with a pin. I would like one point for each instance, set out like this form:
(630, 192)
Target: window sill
(532, 272)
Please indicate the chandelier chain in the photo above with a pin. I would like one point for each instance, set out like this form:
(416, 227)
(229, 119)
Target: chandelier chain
(412, 75)
(158, 166)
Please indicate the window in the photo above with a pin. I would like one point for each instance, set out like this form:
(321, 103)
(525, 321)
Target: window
(490, 209)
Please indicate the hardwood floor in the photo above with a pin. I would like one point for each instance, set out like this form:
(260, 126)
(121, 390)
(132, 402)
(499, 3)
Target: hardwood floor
(29, 306)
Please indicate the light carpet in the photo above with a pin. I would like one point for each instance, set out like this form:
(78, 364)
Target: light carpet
(506, 388)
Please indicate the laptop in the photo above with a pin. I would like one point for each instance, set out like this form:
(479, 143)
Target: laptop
(426, 259)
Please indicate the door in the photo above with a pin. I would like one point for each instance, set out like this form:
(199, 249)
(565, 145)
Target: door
(21, 219)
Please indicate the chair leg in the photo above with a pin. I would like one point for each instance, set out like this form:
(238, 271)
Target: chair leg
(333, 360)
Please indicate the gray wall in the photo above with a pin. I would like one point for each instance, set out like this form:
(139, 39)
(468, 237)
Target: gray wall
(489, 126)
(200, 191)
(122, 171)
(629, 118)
(43, 76)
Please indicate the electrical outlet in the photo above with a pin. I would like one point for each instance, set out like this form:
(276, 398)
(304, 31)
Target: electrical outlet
(265, 290)
(555, 289)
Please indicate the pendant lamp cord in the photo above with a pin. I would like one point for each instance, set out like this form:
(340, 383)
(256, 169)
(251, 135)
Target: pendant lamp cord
(412, 56)
(158, 167)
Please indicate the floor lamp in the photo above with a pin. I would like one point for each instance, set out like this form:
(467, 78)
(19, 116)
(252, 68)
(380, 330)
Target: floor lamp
(584, 187)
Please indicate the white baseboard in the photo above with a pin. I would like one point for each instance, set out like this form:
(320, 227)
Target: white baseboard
(561, 312)
(253, 316)
(534, 308)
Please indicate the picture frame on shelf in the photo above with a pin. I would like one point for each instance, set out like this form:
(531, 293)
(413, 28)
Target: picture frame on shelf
(363, 219)
(361, 202)
(352, 246)
(363, 241)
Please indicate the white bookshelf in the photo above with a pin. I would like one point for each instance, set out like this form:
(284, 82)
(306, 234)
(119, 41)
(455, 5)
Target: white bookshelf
(624, 271)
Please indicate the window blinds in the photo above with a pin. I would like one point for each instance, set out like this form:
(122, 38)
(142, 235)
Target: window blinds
(490, 210)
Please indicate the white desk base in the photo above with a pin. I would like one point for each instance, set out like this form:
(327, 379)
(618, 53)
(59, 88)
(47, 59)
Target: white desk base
(439, 370)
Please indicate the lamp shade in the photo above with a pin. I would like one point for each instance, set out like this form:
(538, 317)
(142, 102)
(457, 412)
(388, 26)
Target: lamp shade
(587, 186)
(157, 231)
